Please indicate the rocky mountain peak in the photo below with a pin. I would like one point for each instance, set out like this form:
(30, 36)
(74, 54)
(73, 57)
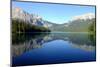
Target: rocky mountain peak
(20, 14)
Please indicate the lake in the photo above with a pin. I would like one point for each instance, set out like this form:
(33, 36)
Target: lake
(52, 48)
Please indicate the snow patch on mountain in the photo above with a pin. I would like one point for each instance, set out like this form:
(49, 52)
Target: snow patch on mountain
(20, 14)
(84, 16)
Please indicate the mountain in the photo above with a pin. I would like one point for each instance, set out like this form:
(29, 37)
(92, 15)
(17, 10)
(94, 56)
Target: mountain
(28, 22)
(20, 14)
(76, 24)
(79, 23)
(84, 17)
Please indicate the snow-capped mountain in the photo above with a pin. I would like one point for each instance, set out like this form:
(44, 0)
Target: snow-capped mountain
(77, 24)
(20, 14)
(84, 17)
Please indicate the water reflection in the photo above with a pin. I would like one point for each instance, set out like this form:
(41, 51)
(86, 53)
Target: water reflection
(23, 42)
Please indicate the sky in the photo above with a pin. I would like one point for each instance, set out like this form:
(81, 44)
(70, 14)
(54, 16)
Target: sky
(55, 13)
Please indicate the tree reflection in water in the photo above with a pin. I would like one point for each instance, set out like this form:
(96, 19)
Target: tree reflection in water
(24, 42)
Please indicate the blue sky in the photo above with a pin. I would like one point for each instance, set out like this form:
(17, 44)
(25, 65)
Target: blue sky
(56, 13)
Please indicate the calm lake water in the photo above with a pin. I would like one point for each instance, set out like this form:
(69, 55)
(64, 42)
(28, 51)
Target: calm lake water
(51, 48)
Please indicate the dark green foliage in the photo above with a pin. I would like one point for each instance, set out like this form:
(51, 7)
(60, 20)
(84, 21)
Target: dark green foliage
(74, 26)
(92, 30)
(92, 27)
(79, 26)
(92, 38)
(18, 38)
(20, 26)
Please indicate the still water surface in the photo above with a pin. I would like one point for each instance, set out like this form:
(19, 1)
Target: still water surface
(50, 48)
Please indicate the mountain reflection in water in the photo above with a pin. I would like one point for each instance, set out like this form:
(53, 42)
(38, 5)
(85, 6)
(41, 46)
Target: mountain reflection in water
(22, 42)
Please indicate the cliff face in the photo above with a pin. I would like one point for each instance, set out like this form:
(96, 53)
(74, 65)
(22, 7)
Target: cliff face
(25, 22)
(21, 15)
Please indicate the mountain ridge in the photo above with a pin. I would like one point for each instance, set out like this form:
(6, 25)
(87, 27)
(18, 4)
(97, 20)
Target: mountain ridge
(79, 23)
